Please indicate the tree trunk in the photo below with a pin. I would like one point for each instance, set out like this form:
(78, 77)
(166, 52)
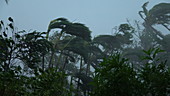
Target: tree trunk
(55, 46)
(43, 62)
(78, 82)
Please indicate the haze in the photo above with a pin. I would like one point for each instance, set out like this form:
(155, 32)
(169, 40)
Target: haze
(99, 15)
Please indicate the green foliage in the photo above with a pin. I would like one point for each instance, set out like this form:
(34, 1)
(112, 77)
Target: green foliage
(12, 83)
(116, 77)
(48, 83)
(32, 46)
(21, 46)
(154, 75)
(44, 83)
(151, 54)
(28, 48)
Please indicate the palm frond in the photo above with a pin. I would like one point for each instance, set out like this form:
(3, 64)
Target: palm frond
(76, 45)
(159, 14)
(76, 29)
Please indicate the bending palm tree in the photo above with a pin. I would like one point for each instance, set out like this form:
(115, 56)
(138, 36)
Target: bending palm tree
(67, 28)
(159, 14)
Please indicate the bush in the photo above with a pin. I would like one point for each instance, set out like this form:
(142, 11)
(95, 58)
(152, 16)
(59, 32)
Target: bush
(116, 77)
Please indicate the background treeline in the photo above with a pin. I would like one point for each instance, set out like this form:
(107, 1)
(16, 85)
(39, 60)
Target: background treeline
(67, 61)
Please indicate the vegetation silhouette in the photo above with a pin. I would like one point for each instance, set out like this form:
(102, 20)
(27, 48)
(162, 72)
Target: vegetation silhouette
(66, 61)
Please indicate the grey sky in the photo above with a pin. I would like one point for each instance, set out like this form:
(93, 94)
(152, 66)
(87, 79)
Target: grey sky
(99, 15)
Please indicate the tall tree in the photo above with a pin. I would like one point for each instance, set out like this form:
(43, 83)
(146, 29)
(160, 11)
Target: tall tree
(67, 28)
(159, 14)
(112, 43)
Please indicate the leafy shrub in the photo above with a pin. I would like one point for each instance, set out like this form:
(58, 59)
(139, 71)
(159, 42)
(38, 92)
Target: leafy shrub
(116, 77)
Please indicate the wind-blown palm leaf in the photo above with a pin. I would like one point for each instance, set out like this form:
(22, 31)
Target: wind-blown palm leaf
(107, 41)
(76, 45)
(76, 29)
(83, 48)
(58, 23)
(111, 42)
(79, 30)
(145, 11)
(122, 37)
(160, 13)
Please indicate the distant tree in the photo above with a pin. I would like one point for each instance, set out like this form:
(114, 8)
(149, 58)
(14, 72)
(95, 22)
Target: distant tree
(111, 43)
(149, 36)
(159, 14)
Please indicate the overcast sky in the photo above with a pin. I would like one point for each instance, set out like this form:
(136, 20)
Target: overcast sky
(99, 15)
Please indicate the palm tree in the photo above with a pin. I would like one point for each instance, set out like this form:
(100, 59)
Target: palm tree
(111, 43)
(159, 14)
(150, 37)
(76, 30)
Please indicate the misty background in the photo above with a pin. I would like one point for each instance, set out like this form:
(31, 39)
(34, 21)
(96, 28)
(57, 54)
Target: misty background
(99, 15)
